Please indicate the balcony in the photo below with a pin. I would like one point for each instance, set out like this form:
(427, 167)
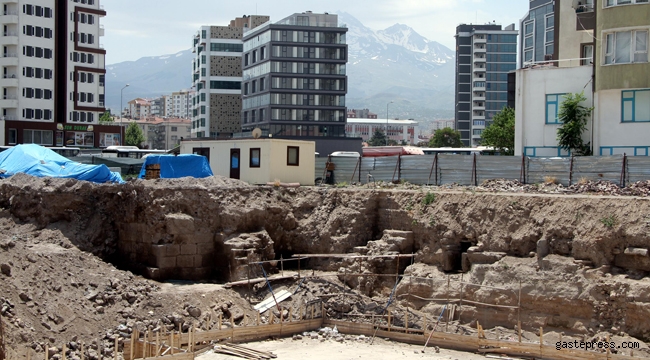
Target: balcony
(478, 117)
(478, 107)
(101, 30)
(9, 38)
(9, 59)
(478, 78)
(478, 98)
(480, 39)
(9, 80)
(478, 59)
(9, 17)
(9, 102)
(480, 50)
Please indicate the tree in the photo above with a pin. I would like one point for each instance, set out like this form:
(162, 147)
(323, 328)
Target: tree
(501, 133)
(379, 139)
(106, 119)
(573, 117)
(446, 137)
(133, 135)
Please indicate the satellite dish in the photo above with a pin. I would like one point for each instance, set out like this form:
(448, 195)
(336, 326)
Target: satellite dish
(257, 132)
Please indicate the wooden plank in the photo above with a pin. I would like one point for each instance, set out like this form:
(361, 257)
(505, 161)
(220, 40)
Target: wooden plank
(258, 280)
(270, 301)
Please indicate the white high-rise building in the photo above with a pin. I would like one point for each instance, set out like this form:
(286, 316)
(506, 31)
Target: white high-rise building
(53, 72)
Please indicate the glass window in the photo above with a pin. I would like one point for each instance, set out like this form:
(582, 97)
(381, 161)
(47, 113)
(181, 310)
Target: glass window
(293, 156)
(13, 136)
(553, 102)
(255, 157)
(636, 105)
(625, 47)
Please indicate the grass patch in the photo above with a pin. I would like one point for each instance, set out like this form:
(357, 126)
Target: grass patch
(609, 221)
(548, 180)
(429, 199)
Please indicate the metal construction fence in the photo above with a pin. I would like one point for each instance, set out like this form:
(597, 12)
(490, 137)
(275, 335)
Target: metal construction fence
(474, 169)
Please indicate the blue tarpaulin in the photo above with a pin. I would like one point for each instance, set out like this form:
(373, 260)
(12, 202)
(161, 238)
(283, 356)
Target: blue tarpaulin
(39, 161)
(172, 167)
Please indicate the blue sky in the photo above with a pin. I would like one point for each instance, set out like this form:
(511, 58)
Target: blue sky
(138, 28)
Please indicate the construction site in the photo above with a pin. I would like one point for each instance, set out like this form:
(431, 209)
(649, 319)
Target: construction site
(213, 268)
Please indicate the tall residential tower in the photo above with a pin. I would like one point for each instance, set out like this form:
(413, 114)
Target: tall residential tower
(484, 56)
(53, 72)
(217, 76)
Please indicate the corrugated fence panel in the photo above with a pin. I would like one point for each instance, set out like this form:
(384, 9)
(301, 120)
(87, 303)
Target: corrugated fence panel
(539, 168)
(416, 169)
(638, 169)
(319, 172)
(498, 167)
(384, 169)
(598, 168)
(367, 167)
(455, 169)
(344, 168)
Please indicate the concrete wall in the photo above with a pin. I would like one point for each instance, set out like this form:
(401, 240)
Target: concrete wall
(531, 130)
(629, 137)
(273, 159)
(2, 132)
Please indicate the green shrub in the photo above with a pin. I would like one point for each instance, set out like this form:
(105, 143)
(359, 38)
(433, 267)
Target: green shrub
(429, 199)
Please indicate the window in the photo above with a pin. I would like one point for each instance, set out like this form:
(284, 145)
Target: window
(255, 157)
(174, 129)
(293, 156)
(13, 136)
(626, 47)
(609, 3)
(587, 54)
(41, 137)
(635, 105)
(553, 102)
(262, 84)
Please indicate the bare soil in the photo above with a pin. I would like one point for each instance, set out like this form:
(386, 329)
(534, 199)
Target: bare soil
(578, 254)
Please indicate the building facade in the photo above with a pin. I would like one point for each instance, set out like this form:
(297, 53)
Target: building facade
(484, 56)
(402, 131)
(294, 81)
(537, 32)
(181, 104)
(615, 83)
(139, 108)
(217, 77)
(164, 133)
(53, 72)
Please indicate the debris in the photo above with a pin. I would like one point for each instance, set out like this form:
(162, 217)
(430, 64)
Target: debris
(243, 352)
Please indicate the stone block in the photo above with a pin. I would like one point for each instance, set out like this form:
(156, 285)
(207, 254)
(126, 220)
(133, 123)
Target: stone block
(166, 262)
(185, 261)
(204, 248)
(153, 273)
(485, 257)
(408, 235)
(466, 265)
(159, 251)
(188, 249)
(173, 250)
(203, 238)
(178, 224)
(542, 248)
(636, 251)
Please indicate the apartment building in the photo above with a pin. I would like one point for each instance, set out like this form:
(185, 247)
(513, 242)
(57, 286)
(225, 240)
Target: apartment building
(484, 56)
(536, 31)
(294, 80)
(139, 108)
(602, 52)
(181, 104)
(164, 133)
(217, 77)
(53, 72)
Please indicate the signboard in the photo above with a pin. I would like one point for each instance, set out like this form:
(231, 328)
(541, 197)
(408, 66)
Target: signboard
(85, 139)
(109, 139)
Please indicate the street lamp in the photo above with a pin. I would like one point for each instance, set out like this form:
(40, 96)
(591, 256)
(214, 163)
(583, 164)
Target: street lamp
(122, 113)
(387, 122)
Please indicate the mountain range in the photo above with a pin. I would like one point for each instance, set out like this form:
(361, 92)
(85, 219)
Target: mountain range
(396, 64)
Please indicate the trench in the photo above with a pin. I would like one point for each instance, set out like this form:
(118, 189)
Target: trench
(201, 233)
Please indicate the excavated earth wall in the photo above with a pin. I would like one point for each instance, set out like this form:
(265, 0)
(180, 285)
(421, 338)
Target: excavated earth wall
(581, 260)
